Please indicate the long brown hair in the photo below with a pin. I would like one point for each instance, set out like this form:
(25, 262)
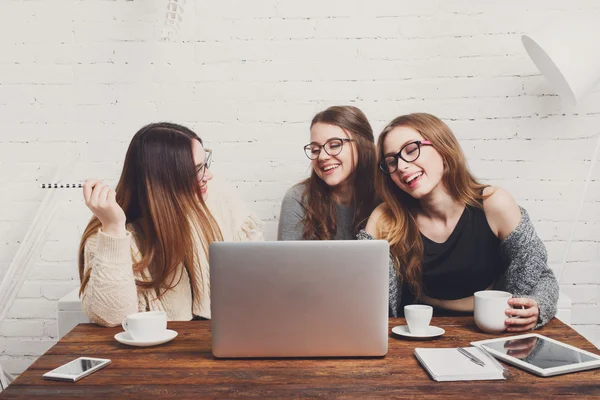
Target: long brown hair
(398, 224)
(319, 219)
(160, 194)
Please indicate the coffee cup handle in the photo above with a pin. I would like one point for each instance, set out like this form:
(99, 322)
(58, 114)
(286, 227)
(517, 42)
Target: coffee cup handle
(517, 308)
(124, 324)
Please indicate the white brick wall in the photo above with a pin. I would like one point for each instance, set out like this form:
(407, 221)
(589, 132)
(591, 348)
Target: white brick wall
(248, 76)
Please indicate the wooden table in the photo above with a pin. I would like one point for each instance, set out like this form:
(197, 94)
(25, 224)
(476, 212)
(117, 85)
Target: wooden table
(185, 368)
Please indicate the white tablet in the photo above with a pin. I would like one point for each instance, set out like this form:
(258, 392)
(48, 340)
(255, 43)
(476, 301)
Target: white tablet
(539, 354)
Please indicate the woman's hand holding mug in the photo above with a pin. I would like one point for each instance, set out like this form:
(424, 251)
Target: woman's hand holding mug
(525, 313)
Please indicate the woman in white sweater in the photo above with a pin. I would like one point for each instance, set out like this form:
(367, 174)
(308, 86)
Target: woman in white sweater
(146, 247)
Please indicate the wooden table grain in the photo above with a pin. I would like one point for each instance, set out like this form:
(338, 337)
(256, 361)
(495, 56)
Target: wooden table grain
(185, 368)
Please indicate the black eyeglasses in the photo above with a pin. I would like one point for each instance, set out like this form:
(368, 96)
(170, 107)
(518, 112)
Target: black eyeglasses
(333, 147)
(201, 169)
(409, 153)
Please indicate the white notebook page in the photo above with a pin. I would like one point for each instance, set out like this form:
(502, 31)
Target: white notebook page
(448, 364)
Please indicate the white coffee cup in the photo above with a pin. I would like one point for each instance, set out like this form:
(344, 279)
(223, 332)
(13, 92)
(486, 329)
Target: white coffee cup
(145, 326)
(418, 317)
(490, 310)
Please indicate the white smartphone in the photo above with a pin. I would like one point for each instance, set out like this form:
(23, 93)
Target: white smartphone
(77, 369)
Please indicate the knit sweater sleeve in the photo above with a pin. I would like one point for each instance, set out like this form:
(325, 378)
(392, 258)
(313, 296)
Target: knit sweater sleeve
(110, 294)
(236, 222)
(394, 286)
(527, 274)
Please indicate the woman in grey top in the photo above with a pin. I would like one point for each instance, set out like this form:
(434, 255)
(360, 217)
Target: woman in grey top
(338, 197)
(451, 236)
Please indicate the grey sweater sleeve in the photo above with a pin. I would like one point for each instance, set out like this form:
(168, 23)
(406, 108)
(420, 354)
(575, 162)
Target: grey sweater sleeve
(291, 215)
(528, 274)
(394, 282)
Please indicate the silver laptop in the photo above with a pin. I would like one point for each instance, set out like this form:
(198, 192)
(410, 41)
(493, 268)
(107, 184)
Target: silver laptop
(299, 298)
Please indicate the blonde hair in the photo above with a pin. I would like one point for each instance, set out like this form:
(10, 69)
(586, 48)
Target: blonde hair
(397, 224)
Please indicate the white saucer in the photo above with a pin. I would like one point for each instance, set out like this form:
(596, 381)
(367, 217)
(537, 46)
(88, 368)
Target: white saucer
(125, 338)
(432, 332)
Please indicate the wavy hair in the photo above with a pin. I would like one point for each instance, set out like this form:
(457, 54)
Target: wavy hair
(160, 194)
(398, 224)
(319, 218)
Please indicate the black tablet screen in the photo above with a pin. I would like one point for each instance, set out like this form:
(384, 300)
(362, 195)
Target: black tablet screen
(540, 352)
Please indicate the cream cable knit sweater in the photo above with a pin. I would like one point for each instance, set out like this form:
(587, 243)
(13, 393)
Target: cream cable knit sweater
(111, 293)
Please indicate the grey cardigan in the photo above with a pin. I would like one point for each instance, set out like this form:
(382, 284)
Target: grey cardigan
(527, 274)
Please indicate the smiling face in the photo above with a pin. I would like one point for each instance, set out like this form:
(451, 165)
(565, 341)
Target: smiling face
(199, 158)
(334, 170)
(420, 177)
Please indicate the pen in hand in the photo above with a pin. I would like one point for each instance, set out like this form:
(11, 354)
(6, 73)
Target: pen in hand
(470, 356)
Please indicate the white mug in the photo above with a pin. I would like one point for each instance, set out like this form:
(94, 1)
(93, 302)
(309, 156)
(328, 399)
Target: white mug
(144, 326)
(418, 317)
(490, 310)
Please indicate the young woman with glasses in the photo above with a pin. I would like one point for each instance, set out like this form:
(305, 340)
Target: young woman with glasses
(146, 246)
(451, 236)
(338, 197)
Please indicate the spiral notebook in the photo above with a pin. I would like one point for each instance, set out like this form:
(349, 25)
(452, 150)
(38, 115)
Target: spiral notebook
(448, 364)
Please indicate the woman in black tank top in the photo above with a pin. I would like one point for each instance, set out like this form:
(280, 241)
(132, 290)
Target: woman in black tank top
(445, 229)
(468, 261)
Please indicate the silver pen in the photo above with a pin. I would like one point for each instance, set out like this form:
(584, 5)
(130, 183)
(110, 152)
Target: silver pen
(470, 356)
(505, 372)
